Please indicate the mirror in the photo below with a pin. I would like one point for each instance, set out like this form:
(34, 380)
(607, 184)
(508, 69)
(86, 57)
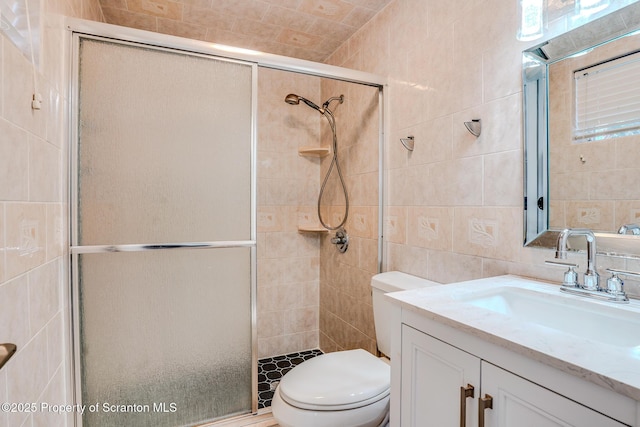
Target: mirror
(581, 175)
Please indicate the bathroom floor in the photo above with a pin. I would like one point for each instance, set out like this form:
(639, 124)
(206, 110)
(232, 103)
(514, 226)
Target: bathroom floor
(260, 420)
(271, 370)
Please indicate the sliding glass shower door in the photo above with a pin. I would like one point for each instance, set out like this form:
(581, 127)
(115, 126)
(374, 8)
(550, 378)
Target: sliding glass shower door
(163, 244)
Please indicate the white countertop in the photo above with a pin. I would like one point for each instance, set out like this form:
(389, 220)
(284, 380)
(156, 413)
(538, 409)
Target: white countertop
(615, 367)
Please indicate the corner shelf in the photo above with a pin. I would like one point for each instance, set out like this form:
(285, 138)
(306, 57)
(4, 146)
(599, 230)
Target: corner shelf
(312, 229)
(314, 151)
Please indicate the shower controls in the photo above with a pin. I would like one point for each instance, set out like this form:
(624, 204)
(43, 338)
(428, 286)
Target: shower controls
(341, 240)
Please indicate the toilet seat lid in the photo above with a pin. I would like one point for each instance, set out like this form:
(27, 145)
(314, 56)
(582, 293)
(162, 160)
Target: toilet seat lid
(336, 381)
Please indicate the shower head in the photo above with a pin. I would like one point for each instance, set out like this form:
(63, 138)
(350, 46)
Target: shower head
(294, 99)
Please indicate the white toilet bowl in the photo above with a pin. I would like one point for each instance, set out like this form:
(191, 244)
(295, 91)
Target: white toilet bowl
(345, 389)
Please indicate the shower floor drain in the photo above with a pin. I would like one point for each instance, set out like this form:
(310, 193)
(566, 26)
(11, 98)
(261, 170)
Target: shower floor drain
(271, 370)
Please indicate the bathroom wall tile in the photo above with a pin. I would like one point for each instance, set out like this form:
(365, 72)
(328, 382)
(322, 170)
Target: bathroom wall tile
(26, 233)
(14, 316)
(14, 162)
(301, 269)
(159, 8)
(3, 246)
(130, 19)
(502, 67)
(368, 257)
(557, 214)
(487, 232)
(497, 134)
(433, 141)
(395, 224)
(44, 171)
(627, 155)
(409, 259)
(44, 295)
(626, 212)
(575, 186)
(617, 184)
(301, 320)
(311, 293)
(270, 218)
(53, 396)
(56, 230)
(56, 346)
(591, 214)
(17, 92)
(326, 344)
(448, 267)
(4, 422)
(329, 296)
(451, 187)
(499, 191)
(430, 227)
(270, 324)
(27, 373)
(181, 29)
(363, 222)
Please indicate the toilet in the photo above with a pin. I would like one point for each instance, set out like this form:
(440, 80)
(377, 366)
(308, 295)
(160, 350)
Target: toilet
(346, 388)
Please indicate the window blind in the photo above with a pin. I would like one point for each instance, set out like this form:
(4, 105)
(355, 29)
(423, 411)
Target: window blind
(607, 99)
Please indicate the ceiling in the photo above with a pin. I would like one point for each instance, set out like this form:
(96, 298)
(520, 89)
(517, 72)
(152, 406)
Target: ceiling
(305, 29)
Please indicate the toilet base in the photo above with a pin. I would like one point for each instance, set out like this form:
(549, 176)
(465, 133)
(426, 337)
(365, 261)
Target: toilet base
(373, 415)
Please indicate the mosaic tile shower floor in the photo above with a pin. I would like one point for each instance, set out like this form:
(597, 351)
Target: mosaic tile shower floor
(271, 370)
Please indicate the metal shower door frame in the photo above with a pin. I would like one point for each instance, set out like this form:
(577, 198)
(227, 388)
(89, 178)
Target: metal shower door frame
(78, 28)
(75, 249)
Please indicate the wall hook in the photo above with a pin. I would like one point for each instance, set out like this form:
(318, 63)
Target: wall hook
(407, 142)
(474, 127)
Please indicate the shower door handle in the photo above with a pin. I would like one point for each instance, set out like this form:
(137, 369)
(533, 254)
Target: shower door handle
(95, 249)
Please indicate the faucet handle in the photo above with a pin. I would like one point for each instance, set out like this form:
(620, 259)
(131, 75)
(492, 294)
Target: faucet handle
(570, 276)
(615, 284)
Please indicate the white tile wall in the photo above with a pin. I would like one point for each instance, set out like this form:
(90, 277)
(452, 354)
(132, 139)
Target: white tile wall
(32, 225)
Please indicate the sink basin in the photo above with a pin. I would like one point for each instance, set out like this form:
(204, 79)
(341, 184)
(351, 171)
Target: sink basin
(614, 325)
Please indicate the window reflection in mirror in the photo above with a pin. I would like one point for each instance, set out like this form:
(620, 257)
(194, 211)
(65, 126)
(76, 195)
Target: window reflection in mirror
(594, 179)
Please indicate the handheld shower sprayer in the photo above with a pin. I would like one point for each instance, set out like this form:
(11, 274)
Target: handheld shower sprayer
(342, 241)
(294, 99)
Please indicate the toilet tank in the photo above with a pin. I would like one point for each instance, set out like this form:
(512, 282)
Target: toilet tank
(391, 281)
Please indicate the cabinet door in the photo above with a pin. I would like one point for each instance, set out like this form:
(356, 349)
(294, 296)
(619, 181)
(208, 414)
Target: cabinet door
(434, 374)
(518, 402)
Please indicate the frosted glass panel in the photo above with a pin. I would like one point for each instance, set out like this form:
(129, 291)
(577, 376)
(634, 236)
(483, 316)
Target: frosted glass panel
(165, 146)
(170, 328)
(164, 156)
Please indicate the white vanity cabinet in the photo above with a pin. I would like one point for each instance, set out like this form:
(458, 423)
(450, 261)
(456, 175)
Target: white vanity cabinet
(442, 386)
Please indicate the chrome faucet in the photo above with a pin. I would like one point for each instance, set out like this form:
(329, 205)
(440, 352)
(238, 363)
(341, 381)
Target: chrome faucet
(591, 286)
(591, 276)
(626, 228)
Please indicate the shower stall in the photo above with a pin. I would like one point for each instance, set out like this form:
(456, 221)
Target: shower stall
(164, 225)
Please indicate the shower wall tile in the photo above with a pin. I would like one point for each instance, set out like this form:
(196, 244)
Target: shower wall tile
(346, 314)
(288, 184)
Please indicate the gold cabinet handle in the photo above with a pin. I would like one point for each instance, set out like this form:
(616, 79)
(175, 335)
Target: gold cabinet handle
(486, 402)
(465, 392)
